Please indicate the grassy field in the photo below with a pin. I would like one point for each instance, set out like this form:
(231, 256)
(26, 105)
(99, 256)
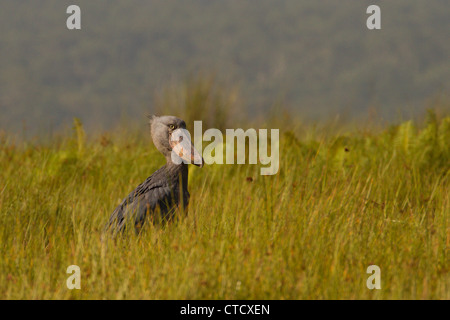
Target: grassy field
(340, 202)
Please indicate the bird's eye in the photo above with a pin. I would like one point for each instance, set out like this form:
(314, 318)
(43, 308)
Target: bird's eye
(171, 126)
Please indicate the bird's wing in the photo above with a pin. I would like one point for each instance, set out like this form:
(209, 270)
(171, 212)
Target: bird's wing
(153, 192)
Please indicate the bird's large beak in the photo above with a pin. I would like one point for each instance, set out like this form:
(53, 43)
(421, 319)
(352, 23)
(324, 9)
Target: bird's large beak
(182, 146)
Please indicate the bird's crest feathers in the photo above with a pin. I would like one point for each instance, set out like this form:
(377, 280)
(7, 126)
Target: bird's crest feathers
(151, 117)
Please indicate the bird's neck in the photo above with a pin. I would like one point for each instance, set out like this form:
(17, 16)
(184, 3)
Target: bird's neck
(178, 170)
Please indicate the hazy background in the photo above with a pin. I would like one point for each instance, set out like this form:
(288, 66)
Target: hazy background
(314, 58)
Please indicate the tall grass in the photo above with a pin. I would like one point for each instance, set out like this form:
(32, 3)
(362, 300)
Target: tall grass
(338, 204)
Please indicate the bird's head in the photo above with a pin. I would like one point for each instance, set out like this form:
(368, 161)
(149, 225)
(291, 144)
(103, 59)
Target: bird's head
(171, 138)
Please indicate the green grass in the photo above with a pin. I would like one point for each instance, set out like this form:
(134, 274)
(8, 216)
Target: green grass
(339, 203)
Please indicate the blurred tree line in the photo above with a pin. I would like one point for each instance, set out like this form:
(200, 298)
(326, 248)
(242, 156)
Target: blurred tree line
(316, 58)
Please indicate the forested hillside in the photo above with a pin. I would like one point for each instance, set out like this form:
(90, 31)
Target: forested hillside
(315, 57)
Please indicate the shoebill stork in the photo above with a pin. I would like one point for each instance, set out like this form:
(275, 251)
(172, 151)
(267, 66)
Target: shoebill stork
(167, 188)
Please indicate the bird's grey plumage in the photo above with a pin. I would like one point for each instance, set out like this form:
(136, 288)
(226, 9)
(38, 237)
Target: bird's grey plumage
(161, 193)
